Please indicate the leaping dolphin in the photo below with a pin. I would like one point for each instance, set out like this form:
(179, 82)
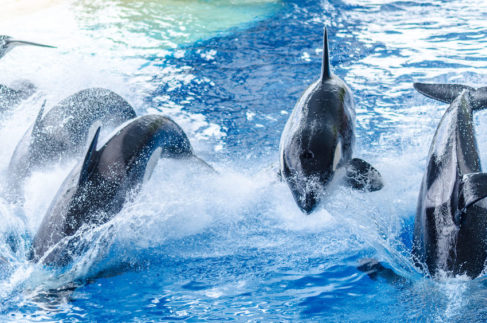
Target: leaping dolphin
(63, 131)
(450, 228)
(318, 139)
(10, 96)
(96, 190)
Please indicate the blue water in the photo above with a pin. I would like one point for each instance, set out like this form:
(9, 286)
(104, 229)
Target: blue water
(194, 246)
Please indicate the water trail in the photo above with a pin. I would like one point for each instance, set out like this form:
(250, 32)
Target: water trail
(198, 246)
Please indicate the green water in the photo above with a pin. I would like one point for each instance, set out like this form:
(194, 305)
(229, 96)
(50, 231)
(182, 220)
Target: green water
(170, 23)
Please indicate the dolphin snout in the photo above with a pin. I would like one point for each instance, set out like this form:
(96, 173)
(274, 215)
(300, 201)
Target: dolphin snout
(307, 202)
(306, 193)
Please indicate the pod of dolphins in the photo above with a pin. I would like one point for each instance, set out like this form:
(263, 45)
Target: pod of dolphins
(316, 147)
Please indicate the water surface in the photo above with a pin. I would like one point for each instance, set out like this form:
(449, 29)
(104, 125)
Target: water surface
(193, 246)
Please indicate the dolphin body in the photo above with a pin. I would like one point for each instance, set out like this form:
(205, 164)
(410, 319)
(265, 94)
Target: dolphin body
(13, 95)
(451, 219)
(318, 139)
(64, 129)
(10, 96)
(96, 190)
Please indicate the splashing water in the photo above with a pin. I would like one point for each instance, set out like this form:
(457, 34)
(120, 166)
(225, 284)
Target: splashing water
(192, 245)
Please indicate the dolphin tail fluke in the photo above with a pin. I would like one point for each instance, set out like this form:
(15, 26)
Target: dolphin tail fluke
(362, 176)
(325, 67)
(473, 189)
(441, 92)
(448, 92)
(479, 98)
(90, 159)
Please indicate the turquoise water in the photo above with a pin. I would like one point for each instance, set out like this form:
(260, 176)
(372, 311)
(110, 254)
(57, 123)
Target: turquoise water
(196, 247)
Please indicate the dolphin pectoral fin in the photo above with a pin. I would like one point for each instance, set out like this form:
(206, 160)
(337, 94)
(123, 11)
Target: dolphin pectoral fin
(441, 92)
(203, 163)
(474, 188)
(90, 159)
(362, 176)
(151, 164)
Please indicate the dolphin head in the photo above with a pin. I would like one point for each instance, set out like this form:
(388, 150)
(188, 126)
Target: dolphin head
(309, 164)
(7, 43)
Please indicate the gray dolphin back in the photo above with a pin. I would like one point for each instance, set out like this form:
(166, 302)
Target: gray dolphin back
(63, 130)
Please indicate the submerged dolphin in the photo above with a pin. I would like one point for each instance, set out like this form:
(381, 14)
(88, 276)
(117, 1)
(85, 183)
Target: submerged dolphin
(451, 220)
(96, 189)
(318, 139)
(64, 129)
(13, 95)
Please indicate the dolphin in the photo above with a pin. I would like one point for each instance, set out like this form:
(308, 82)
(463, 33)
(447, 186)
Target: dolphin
(451, 218)
(64, 130)
(318, 139)
(10, 96)
(96, 189)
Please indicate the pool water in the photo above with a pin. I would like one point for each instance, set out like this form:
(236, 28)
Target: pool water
(195, 246)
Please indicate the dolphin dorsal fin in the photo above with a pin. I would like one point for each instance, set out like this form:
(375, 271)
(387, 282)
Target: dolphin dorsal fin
(90, 159)
(325, 67)
(473, 189)
(446, 93)
(36, 129)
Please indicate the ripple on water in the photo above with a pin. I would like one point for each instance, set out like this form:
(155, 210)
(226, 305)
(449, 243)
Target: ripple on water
(235, 246)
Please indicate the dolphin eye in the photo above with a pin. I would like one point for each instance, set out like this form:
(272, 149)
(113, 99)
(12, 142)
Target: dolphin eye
(307, 154)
